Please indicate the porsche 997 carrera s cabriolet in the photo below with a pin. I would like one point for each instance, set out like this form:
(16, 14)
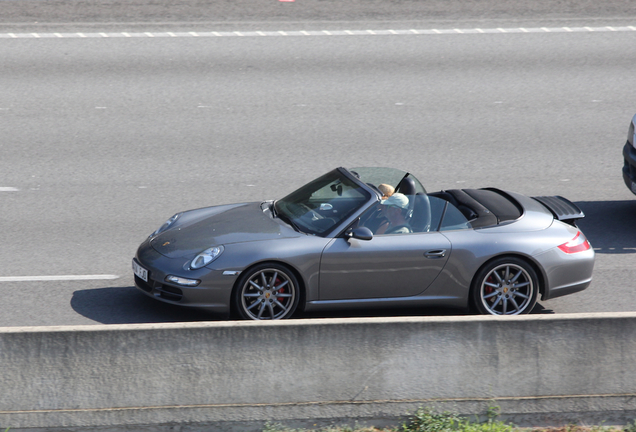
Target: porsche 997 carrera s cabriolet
(368, 238)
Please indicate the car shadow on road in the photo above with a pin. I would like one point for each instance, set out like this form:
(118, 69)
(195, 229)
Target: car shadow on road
(126, 305)
(610, 226)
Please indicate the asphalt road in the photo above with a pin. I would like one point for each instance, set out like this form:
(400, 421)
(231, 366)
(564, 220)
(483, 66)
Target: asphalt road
(104, 137)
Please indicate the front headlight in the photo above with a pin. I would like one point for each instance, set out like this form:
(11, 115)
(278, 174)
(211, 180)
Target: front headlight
(206, 257)
(166, 225)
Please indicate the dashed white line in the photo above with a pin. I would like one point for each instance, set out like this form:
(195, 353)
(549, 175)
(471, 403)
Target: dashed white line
(8, 189)
(57, 278)
(288, 33)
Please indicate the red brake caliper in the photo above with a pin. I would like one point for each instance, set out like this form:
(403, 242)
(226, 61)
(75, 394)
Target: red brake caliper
(280, 291)
(488, 289)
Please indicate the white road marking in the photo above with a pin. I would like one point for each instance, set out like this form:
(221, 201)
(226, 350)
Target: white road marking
(8, 189)
(282, 33)
(56, 278)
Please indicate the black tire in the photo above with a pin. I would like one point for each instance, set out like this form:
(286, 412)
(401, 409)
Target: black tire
(506, 286)
(266, 292)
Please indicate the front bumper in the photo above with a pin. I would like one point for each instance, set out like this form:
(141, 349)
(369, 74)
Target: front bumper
(629, 167)
(213, 293)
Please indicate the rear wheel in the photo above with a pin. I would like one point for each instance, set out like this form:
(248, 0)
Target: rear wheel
(267, 292)
(506, 286)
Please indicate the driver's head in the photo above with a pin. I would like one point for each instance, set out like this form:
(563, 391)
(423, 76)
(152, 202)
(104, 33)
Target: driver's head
(387, 190)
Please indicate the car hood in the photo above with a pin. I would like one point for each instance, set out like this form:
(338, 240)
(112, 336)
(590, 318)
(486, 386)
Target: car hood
(197, 230)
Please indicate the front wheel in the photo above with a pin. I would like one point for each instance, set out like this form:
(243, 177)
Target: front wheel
(506, 286)
(267, 292)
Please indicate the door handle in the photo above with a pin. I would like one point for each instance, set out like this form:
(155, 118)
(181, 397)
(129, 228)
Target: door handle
(437, 253)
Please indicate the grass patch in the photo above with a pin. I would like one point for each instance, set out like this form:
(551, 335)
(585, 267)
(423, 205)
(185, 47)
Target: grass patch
(426, 420)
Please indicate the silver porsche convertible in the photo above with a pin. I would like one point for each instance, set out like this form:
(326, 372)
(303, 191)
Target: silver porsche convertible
(368, 238)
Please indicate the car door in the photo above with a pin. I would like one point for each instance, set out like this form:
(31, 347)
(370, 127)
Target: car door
(386, 266)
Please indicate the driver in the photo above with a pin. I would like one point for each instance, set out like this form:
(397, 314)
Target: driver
(394, 210)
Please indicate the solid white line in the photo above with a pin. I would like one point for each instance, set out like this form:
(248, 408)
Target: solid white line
(56, 278)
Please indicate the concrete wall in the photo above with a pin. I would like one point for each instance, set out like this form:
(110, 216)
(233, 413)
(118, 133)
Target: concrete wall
(237, 375)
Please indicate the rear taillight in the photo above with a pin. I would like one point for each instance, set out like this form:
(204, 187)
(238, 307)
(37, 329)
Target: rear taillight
(578, 244)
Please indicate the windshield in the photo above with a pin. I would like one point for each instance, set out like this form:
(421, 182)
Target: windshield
(321, 205)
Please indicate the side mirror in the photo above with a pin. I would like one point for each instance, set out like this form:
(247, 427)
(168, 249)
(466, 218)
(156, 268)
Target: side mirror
(360, 233)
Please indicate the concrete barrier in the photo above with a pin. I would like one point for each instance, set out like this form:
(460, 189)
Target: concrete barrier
(237, 375)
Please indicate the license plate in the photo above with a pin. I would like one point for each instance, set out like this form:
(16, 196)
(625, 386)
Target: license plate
(140, 272)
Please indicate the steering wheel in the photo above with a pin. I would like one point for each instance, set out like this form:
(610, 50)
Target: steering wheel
(308, 210)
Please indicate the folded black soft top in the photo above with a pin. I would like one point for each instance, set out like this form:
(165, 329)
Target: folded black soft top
(484, 207)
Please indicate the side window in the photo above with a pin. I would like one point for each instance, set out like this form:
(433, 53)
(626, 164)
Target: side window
(454, 219)
(437, 210)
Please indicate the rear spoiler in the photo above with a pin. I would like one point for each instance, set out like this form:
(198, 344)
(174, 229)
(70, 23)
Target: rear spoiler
(562, 208)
